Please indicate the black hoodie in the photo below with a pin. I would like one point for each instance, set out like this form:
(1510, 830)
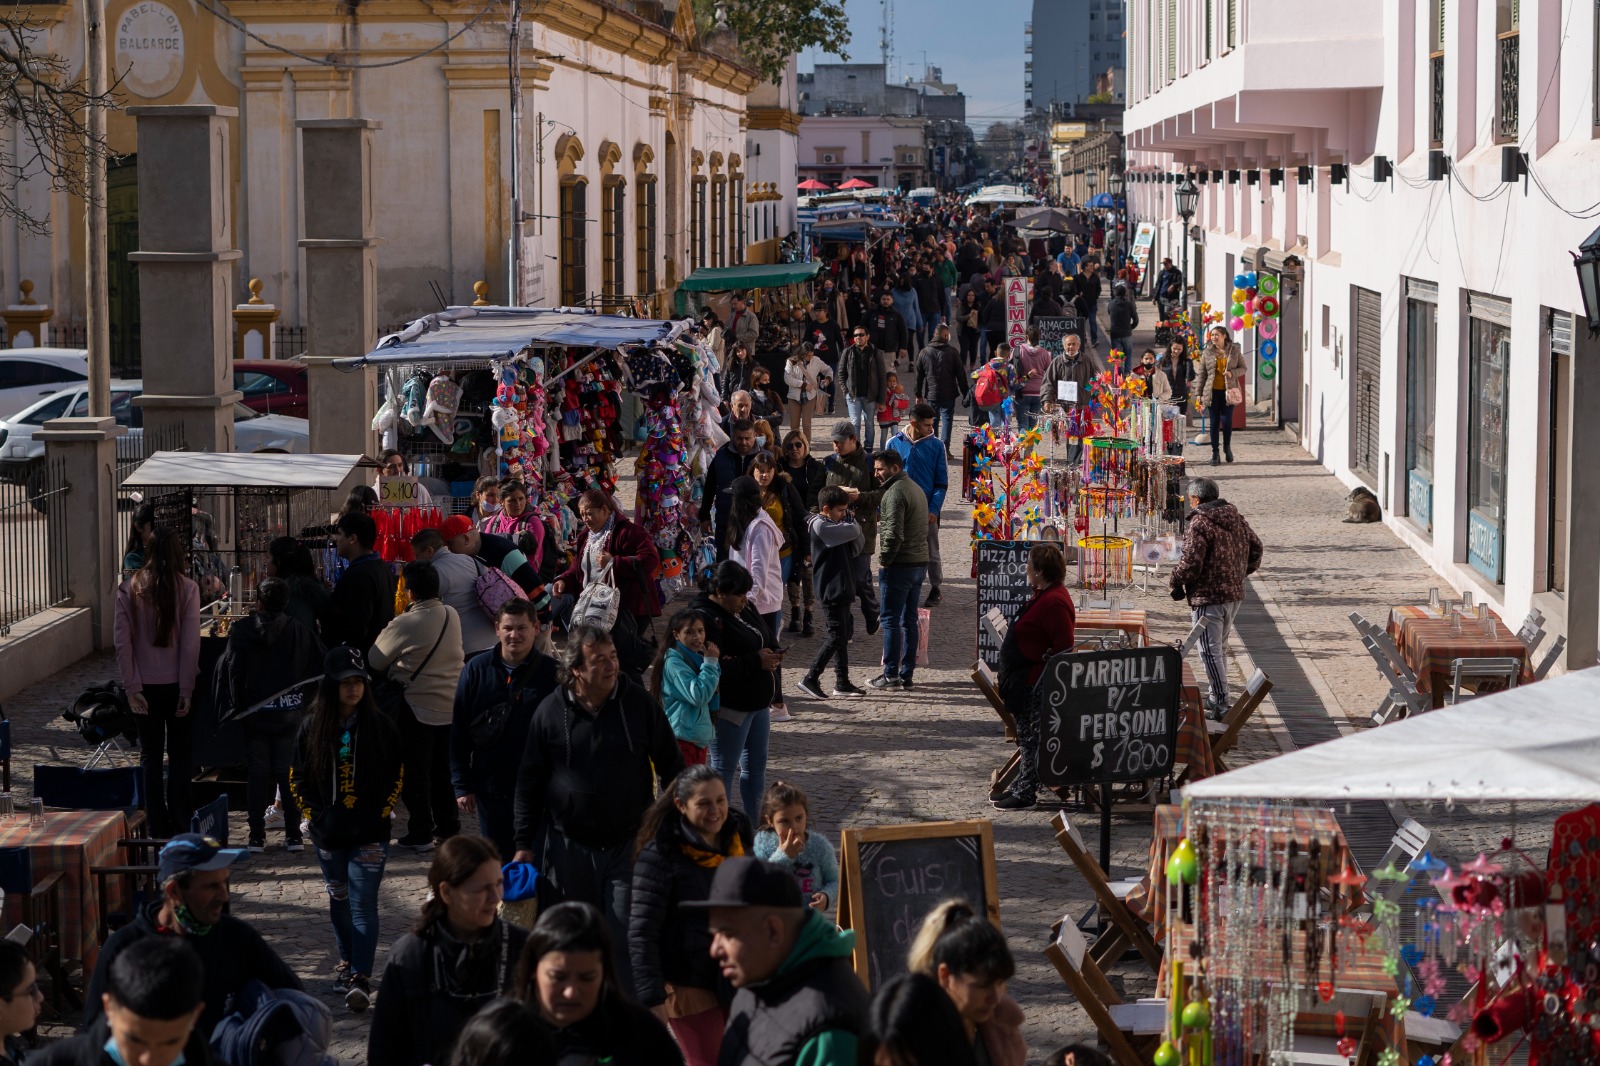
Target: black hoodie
(271, 659)
(592, 774)
(376, 771)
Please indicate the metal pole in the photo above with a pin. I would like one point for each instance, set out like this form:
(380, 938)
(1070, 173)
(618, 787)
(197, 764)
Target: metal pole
(514, 294)
(95, 292)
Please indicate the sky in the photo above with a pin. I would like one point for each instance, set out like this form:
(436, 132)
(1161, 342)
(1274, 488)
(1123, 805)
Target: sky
(978, 43)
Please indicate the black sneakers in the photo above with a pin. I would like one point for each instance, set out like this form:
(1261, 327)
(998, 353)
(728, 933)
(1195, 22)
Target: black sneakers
(1013, 801)
(416, 843)
(934, 596)
(359, 996)
(812, 687)
(847, 691)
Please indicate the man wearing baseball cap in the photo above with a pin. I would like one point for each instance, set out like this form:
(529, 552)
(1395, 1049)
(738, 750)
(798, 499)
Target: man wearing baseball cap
(193, 871)
(799, 999)
(491, 549)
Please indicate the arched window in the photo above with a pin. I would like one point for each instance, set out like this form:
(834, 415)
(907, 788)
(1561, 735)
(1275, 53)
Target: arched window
(644, 240)
(574, 221)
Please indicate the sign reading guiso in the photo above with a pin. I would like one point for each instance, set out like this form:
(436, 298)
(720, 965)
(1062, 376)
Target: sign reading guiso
(1110, 716)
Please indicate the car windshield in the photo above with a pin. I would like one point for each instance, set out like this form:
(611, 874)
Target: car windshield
(241, 413)
(46, 411)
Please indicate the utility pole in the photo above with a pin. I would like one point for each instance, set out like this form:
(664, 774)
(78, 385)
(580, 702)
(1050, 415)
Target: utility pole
(98, 313)
(514, 294)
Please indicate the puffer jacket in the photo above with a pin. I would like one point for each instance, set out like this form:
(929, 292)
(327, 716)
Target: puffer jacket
(1206, 370)
(746, 686)
(1219, 551)
(670, 945)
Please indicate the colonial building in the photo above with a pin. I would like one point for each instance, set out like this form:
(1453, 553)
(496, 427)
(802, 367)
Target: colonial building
(631, 145)
(1414, 177)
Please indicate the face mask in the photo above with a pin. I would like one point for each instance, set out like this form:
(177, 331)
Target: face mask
(761, 442)
(489, 508)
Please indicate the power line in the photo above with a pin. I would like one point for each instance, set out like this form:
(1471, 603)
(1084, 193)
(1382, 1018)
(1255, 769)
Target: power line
(331, 61)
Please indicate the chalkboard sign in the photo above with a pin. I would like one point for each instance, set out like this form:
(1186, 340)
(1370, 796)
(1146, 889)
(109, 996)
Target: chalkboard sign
(1109, 716)
(1052, 328)
(1003, 583)
(894, 875)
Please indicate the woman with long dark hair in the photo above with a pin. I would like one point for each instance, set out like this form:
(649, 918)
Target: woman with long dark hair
(458, 957)
(756, 543)
(346, 777)
(968, 317)
(969, 957)
(140, 529)
(157, 635)
(505, 1033)
(913, 1023)
(566, 977)
(685, 836)
(1220, 372)
(308, 596)
(1179, 369)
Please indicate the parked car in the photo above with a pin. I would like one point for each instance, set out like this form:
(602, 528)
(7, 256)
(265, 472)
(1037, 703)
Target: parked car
(272, 386)
(28, 375)
(20, 452)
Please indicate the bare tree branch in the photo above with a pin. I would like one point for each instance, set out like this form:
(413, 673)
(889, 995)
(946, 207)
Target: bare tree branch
(47, 118)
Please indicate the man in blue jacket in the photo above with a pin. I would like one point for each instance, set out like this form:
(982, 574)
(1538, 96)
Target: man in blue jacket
(925, 460)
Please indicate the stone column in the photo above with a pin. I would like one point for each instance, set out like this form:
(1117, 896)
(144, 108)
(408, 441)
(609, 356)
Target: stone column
(88, 546)
(185, 274)
(28, 322)
(339, 285)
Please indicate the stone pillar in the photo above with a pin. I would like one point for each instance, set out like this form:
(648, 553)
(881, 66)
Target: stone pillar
(185, 274)
(88, 547)
(28, 322)
(339, 286)
(1583, 503)
(255, 327)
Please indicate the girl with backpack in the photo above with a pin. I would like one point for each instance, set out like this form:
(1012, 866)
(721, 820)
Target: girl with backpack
(990, 387)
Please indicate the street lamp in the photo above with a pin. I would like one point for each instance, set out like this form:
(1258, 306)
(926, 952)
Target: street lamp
(1186, 196)
(1587, 264)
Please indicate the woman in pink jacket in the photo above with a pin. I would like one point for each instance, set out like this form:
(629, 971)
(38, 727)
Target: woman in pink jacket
(158, 655)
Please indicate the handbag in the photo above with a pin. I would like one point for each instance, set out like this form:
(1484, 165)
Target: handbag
(494, 589)
(598, 603)
(1235, 394)
(390, 693)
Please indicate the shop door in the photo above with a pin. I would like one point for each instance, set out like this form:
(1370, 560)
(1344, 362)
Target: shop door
(1365, 383)
(122, 277)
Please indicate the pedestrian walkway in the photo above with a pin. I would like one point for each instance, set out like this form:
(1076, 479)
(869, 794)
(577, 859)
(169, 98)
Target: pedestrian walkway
(927, 754)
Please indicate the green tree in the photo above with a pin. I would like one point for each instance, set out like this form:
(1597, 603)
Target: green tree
(770, 31)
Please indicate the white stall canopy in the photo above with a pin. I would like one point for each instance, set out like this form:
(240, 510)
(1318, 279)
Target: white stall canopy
(246, 470)
(1537, 742)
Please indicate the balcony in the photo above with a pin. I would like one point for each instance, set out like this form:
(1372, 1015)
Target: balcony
(1506, 117)
(1436, 100)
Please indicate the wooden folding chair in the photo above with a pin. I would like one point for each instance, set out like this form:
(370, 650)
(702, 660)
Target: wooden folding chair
(1409, 841)
(1127, 929)
(1225, 734)
(1404, 699)
(1191, 639)
(1069, 953)
(41, 912)
(988, 683)
(1541, 671)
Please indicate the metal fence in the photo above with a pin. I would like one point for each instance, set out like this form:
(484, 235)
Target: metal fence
(33, 532)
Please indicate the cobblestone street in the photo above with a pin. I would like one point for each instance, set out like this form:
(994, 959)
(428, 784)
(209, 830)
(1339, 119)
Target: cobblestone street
(879, 761)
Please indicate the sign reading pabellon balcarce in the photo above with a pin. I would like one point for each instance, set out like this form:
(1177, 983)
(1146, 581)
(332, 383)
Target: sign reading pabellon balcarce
(1109, 716)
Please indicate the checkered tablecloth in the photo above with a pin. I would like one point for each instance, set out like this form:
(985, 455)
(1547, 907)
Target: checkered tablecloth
(68, 843)
(1194, 744)
(1429, 644)
(1127, 620)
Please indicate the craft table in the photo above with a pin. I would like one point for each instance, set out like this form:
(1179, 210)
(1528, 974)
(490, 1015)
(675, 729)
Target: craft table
(1194, 744)
(69, 843)
(1430, 645)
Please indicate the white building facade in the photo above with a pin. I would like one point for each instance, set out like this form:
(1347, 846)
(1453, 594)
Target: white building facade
(884, 150)
(1371, 156)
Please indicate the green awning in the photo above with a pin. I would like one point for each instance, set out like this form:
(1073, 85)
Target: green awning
(768, 276)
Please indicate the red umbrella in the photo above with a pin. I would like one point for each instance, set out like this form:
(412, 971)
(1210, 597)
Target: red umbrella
(813, 185)
(856, 183)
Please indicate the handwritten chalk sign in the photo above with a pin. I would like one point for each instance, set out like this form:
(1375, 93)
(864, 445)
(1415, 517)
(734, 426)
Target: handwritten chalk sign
(893, 875)
(1054, 328)
(399, 491)
(1109, 716)
(1002, 583)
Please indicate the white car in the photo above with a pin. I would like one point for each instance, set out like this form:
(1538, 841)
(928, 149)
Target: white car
(28, 375)
(20, 451)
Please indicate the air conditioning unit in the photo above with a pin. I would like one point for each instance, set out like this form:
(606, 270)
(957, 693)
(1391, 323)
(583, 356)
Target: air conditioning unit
(828, 157)
(909, 157)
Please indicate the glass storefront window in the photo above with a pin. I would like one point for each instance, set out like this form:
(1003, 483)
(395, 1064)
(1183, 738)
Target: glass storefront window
(1488, 358)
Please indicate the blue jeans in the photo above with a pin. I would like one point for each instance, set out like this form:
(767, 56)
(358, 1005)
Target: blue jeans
(352, 877)
(1027, 411)
(944, 417)
(743, 748)
(863, 415)
(899, 596)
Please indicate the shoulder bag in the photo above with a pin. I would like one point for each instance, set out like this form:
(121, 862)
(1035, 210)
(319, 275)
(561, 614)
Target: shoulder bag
(390, 693)
(494, 589)
(598, 603)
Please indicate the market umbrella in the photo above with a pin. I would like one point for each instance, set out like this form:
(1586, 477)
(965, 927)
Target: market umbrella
(1104, 199)
(1051, 219)
(813, 185)
(1533, 742)
(856, 183)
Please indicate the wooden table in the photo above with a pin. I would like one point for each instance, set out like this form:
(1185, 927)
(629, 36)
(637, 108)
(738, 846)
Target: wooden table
(1429, 644)
(1129, 621)
(68, 843)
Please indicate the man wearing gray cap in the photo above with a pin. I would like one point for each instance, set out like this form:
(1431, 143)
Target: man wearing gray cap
(193, 870)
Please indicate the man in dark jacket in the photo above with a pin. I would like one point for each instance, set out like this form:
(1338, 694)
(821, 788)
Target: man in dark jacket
(798, 998)
(992, 317)
(273, 663)
(850, 468)
(836, 540)
(902, 565)
(826, 341)
(152, 997)
(1088, 285)
(1219, 551)
(887, 327)
(495, 701)
(861, 378)
(1169, 288)
(1124, 319)
(595, 749)
(930, 299)
(193, 871)
(363, 601)
(731, 462)
(942, 380)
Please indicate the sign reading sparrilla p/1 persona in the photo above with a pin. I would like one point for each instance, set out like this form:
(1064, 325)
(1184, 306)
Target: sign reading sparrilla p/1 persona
(1109, 716)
